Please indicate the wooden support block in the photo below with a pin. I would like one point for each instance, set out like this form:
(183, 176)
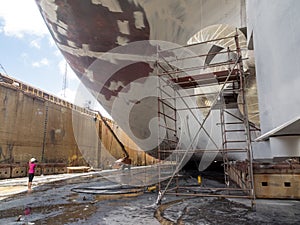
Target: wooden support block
(5, 172)
(59, 169)
(78, 169)
(18, 171)
(48, 170)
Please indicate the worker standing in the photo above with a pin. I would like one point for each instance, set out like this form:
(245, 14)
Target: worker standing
(31, 170)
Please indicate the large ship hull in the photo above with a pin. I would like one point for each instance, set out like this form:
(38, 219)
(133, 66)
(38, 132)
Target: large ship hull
(113, 48)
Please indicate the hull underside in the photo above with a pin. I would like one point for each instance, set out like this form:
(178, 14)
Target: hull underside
(113, 48)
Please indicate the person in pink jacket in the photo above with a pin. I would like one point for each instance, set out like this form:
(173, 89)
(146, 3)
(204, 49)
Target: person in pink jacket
(31, 170)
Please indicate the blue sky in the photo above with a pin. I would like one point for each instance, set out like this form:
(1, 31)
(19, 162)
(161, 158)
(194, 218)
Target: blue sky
(28, 53)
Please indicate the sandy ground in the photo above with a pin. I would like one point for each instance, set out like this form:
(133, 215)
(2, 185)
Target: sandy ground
(60, 201)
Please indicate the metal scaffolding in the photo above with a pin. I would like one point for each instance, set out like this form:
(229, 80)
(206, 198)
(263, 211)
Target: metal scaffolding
(213, 80)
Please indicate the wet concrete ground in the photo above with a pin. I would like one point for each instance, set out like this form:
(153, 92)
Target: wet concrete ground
(59, 202)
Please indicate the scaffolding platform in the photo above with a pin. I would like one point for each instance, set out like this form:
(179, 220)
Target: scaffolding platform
(222, 81)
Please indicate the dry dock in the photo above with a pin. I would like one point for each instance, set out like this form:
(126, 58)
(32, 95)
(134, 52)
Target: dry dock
(54, 200)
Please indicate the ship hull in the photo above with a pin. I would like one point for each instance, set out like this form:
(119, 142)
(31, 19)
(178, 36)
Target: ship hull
(113, 48)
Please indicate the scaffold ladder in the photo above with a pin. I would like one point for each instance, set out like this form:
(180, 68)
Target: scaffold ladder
(233, 127)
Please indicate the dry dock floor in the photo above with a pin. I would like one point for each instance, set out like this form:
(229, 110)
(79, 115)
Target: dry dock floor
(54, 201)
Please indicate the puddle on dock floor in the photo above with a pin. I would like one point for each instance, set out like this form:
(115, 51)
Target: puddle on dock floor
(57, 204)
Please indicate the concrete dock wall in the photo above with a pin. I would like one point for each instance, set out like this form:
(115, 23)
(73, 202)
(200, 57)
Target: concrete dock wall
(28, 131)
(34, 126)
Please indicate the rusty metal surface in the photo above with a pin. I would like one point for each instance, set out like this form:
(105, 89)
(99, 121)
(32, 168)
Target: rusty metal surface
(84, 32)
(216, 77)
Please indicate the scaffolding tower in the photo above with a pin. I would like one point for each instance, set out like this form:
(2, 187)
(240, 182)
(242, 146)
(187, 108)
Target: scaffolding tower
(216, 84)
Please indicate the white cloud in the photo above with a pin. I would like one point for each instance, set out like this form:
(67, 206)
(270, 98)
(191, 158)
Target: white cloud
(21, 17)
(42, 62)
(45, 62)
(62, 70)
(35, 43)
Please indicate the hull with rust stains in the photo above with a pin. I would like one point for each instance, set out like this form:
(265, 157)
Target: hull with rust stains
(112, 46)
